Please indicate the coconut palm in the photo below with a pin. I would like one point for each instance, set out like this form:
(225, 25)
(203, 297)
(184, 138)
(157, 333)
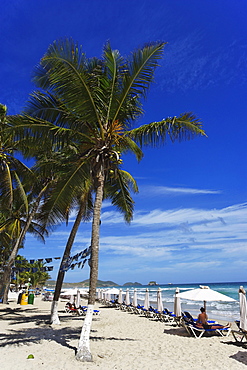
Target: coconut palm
(16, 222)
(90, 105)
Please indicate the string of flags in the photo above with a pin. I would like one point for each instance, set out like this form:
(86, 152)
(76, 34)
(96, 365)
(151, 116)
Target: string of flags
(18, 263)
(68, 263)
(47, 260)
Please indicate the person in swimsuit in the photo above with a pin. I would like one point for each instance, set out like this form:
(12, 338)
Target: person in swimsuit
(202, 321)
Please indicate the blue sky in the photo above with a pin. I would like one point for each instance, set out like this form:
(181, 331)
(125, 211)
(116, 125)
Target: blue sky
(190, 214)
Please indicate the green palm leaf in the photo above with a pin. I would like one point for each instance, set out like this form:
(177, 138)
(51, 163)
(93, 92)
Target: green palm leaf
(65, 72)
(139, 75)
(118, 190)
(184, 127)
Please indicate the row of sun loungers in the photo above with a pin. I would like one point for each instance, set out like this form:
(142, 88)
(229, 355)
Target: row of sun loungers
(168, 317)
(152, 313)
(186, 320)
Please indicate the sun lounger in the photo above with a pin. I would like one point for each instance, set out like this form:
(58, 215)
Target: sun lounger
(80, 311)
(239, 335)
(198, 332)
(189, 318)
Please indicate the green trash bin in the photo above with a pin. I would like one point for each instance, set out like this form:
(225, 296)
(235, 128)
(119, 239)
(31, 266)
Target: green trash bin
(31, 298)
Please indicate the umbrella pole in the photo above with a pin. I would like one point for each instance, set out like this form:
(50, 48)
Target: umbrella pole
(205, 305)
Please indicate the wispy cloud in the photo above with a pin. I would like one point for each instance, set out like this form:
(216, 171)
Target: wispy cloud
(189, 66)
(162, 242)
(166, 190)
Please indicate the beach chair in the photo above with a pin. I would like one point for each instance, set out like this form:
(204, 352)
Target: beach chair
(169, 317)
(189, 318)
(197, 332)
(239, 335)
(70, 308)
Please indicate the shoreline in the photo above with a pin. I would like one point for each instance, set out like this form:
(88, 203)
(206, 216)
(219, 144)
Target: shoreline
(118, 340)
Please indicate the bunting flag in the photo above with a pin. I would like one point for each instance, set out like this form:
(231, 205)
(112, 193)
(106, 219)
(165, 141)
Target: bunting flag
(68, 262)
(32, 261)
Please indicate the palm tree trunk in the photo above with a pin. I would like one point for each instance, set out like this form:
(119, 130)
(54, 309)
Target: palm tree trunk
(60, 277)
(83, 350)
(4, 286)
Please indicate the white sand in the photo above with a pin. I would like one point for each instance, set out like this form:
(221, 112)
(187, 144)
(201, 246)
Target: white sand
(119, 340)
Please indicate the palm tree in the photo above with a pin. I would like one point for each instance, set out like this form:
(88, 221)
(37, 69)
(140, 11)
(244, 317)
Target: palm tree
(36, 274)
(16, 223)
(83, 213)
(90, 105)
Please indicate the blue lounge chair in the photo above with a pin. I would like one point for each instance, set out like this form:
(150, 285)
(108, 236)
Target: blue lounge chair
(198, 332)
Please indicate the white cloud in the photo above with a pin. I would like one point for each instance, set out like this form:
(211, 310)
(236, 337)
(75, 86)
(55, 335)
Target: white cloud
(165, 190)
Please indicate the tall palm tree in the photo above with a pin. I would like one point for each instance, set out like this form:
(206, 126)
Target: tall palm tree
(91, 105)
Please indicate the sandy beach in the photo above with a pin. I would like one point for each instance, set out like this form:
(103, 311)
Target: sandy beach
(119, 340)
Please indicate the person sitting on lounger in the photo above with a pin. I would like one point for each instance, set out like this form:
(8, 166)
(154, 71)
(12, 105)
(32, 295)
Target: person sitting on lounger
(202, 321)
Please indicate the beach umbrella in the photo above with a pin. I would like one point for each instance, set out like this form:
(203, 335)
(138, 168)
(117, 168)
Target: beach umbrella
(243, 309)
(205, 294)
(78, 299)
(177, 304)
(120, 296)
(69, 292)
(112, 291)
(127, 297)
(160, 307)
(146, 300)
(134, 302)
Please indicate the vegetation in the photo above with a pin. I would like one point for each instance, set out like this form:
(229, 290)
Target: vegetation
(82, 117)
(34, 273)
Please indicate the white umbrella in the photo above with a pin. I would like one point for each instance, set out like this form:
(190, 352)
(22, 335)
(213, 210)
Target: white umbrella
(146, 300)
(204, 293)
(127, 297)
(243, 309)
(160, 307)
(69, 292)
(177, 305)
(134, 302)
(78, 299)
(120, 296)
(112, 291)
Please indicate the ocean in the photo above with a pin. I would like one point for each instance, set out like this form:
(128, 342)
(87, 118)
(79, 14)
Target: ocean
(225, 311)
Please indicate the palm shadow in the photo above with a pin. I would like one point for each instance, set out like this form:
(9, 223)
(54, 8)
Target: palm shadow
(22, 337)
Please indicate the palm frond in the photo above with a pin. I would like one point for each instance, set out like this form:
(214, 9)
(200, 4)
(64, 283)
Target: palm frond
(184, 127)
(64, 196)
(126, 145)
(118, 190)
(63, 69)
(110, 81)
(139, 74)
